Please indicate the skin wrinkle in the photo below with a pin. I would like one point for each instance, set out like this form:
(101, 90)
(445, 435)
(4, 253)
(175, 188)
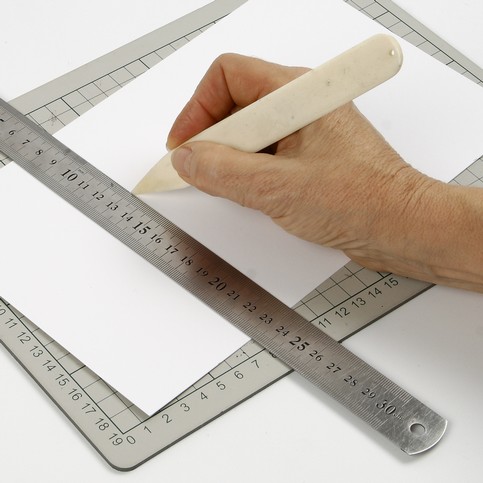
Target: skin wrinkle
(413, 202)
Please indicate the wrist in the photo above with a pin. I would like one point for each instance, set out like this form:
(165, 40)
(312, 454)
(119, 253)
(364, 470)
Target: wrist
(428, 230)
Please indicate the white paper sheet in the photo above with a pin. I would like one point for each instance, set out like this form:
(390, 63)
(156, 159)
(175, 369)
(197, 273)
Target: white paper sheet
(118, 314)
(427, 112)
(40, 41)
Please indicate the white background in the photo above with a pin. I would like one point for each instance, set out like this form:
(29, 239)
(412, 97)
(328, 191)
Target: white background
(289, 432)
(40, 41)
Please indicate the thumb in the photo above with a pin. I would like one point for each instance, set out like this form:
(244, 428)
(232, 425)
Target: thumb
(245, 178)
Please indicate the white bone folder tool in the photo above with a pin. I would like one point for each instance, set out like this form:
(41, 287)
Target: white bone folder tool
(292, 106)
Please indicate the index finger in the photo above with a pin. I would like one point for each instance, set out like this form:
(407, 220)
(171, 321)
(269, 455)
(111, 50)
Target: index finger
(233, 81)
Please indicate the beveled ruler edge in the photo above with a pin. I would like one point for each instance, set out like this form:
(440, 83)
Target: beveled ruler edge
(351, 271)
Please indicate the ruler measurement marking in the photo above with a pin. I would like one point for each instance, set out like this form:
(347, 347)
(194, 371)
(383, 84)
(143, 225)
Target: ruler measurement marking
(55, 361)
(348, 299)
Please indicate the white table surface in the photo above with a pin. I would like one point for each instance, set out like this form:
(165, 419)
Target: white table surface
(433, 347)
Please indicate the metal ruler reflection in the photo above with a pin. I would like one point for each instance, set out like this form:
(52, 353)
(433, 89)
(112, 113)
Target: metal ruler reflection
(351, 299)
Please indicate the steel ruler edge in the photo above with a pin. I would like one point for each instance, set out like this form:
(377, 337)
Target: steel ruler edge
(251, 354)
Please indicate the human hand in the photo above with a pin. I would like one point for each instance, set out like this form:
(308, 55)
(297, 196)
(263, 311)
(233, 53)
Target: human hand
(317, 183)
(335, 182)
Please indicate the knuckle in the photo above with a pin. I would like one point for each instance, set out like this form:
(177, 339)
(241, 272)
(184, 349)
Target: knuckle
(225, 59)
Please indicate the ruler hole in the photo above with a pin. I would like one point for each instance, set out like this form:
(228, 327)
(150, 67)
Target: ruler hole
(417, 429)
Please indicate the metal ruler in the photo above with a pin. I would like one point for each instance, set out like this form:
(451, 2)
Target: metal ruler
(349, 300)
(312, 353)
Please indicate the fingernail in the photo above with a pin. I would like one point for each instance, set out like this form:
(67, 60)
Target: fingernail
(181, 159)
